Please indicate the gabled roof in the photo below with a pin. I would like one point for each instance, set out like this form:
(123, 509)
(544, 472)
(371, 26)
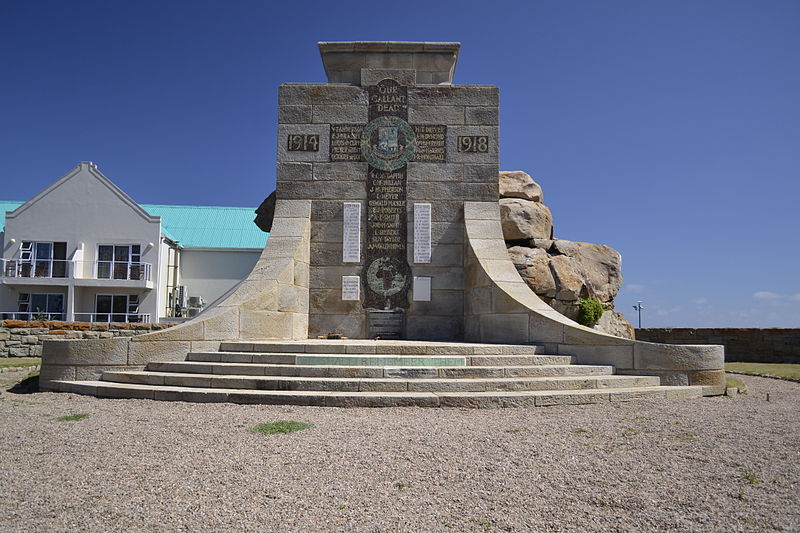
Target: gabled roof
(197, 226)
(93, 171)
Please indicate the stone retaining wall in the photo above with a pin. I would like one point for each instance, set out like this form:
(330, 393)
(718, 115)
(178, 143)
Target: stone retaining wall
(750, 345)
(20, 338)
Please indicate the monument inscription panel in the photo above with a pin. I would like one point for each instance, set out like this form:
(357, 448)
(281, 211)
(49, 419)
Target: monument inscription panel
(387, 143)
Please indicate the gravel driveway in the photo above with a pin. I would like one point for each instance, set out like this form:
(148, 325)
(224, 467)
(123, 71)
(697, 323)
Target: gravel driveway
(715, 464)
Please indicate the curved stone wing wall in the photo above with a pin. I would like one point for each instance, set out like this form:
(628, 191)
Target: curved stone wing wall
(271, 303)
(500, 307)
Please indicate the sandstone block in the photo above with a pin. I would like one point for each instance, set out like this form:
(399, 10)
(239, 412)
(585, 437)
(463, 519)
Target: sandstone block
(86, 352)
(322, 93)
(371, 76)
(489, 155)
(678, 356)
(294, 114)
(427, 172)
(340, 114)
(483, 173)
(433, 114)
(484, 116)
(322, 130)
(141, 353)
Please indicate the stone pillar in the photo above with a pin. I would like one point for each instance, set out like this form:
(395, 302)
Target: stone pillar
(391, 134)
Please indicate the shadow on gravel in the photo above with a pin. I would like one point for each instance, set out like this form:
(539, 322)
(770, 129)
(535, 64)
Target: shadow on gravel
(29, 385)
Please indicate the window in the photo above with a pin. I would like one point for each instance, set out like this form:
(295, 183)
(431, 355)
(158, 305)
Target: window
(43, 259)
(41, 306)
(119, 261)
(116, 308)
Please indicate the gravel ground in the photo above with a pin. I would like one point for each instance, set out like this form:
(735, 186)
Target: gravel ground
(715, 464)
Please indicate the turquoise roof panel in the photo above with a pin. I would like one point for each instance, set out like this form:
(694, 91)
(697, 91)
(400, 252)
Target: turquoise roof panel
(197, 226)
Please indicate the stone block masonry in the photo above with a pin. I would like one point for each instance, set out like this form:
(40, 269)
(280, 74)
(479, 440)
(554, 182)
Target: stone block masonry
(20, 338)
(745, 345)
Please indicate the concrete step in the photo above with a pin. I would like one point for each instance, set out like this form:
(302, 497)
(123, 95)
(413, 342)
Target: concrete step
(356, 346)
(376, 399)
(378, 360)
(253, 369)
(416, 384)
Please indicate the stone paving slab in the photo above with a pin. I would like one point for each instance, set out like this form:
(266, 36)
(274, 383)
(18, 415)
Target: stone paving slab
(382, 347)
(377, 372)
(376, 399)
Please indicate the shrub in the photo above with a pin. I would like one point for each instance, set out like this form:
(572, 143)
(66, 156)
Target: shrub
(589, 311)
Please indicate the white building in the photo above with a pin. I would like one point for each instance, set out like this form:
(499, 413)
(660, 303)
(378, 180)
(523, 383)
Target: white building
(82, 249)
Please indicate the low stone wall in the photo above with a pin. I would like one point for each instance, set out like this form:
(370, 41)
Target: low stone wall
(749, 345)
(20, 338)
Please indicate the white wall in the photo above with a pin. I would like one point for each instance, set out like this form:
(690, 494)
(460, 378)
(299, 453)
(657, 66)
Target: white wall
(210, 272)
(84, 209)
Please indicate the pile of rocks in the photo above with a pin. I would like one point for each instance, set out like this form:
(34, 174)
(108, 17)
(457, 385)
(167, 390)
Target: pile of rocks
(560, 272)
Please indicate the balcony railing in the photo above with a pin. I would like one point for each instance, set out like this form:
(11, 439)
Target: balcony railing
(113, 317)
(142, 318)
(59, 268)
(31, 315)
(37, 268)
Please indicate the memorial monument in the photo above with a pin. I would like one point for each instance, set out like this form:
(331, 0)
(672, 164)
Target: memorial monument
(387, 238)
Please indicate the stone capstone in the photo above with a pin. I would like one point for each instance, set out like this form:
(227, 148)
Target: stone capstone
(525, 219)
(518, 184)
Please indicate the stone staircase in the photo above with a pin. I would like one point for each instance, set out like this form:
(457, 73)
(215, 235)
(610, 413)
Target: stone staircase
(354, 373)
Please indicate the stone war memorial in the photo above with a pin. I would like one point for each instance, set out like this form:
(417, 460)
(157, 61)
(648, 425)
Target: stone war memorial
(386, 279)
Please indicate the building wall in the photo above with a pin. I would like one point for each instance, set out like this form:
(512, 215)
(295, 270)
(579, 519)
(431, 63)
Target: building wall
(752, 345)
(211, 272)
(84, 210)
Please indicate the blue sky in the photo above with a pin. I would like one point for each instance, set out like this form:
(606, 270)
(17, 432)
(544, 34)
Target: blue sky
(667, 130)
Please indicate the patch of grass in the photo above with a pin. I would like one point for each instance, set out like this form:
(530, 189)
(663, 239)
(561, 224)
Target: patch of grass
(513, 431)
(580, 431)
(284, 426)
(401, 485)
(686, 436)
(750, 477)
(790, 372)
(15, 362)
(72, 418)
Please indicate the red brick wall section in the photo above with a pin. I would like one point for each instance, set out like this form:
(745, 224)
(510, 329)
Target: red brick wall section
(750, 345)
(19, 338)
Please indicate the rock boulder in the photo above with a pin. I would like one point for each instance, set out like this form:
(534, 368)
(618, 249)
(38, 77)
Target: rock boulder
(518, 184)
(524, 219)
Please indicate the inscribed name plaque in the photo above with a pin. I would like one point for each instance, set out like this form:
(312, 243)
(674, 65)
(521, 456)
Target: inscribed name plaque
(422, 289)
(351, 287)
(422, 233)
(351, 232)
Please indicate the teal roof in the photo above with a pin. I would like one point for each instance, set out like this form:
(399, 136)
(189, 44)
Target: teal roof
(198, 226)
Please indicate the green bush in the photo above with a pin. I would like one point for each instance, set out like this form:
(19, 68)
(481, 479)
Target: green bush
(589, 312)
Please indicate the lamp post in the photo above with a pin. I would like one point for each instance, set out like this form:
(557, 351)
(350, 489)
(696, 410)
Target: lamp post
(639, 308)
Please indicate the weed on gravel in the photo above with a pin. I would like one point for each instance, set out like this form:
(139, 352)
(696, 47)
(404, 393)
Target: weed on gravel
(283, 426)
(72, 418)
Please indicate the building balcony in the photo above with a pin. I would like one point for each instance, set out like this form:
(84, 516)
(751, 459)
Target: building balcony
(81, 273)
